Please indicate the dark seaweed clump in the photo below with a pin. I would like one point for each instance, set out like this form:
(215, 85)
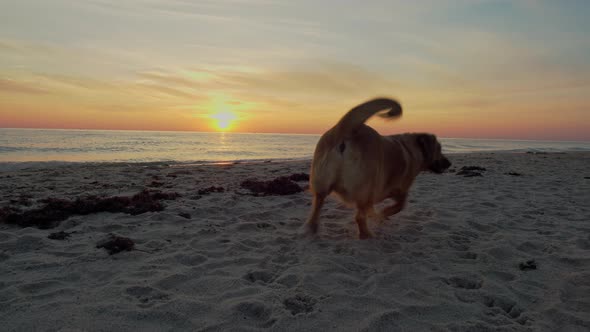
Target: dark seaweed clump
(212, 189)
(513, 174)
(472, 168)
(528, 265)
(116, 244)
(299, 177)
(471, 171)
(59, 235)
(57, 209)
(279, 186)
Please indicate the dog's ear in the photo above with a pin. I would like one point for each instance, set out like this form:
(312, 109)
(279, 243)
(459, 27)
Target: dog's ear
(427, 143)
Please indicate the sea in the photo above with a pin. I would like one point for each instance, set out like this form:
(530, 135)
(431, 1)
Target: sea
(65, 146)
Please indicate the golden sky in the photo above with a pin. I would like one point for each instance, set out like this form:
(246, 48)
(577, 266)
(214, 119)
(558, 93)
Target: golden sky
(479, 69)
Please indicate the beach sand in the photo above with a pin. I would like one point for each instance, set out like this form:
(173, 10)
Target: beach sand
(496, 252)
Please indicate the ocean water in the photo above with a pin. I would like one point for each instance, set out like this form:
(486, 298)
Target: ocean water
(36, 145)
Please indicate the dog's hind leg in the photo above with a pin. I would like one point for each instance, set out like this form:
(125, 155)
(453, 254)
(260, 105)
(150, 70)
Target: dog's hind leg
(361, 221)
(377, 216)
(313, 221)
(400, 203)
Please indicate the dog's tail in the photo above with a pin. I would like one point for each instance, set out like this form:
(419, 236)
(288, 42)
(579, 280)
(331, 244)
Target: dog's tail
(358, 115)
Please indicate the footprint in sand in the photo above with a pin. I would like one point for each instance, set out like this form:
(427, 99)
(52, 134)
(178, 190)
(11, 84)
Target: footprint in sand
(467, 255)
(285, 259)
(388, 247)
(498, 305)
(459, 242)
(265, 225)
(508, 306)
(190, 260)
(39, 286)
(173, 281)
(300, 304)
(253, 310)
(529, 247)
(465, 282)
(387, 321)
(344, 250)
(261, 276)
(500, 276)
(437, 226)
(147, 296)
(574, 292)
(289, 280)
(482, 227)
(583, 244)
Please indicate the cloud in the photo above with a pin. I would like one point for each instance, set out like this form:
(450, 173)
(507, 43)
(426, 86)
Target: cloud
(168, 91)
(171, 79)
(269, 15)
(316, 81)
(14, 86)
(6, 46)
(72, 82)
(90, 94)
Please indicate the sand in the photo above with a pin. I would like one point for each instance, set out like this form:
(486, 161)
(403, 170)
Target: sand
(496, 252)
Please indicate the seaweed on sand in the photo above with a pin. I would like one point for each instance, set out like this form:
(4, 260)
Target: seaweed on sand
(56, 210)
(279, 186)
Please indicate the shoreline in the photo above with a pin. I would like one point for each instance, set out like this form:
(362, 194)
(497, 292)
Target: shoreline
(20, 165)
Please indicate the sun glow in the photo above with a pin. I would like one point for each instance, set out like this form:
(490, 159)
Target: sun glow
(224, 120)
(222, 113)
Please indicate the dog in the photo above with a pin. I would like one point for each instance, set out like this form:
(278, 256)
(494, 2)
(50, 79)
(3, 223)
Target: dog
(364, 168)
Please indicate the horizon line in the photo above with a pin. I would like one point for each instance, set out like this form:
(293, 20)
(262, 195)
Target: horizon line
(275, 133)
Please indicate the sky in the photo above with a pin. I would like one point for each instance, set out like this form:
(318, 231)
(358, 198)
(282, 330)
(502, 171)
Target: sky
(469, 69)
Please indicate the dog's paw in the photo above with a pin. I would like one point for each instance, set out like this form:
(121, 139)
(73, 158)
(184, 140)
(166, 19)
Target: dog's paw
(365, 235)
(308, 229)
(379, 218)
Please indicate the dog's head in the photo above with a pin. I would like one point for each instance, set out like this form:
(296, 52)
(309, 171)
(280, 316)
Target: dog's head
(434, 160)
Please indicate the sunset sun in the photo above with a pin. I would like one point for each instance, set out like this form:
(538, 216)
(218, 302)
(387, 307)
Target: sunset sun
(223, 120)
(223, 113)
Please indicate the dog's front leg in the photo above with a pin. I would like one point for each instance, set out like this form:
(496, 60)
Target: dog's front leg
(361, 220)
(313, 221)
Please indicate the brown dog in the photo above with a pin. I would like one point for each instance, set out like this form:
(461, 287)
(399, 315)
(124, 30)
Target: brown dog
(364, 168)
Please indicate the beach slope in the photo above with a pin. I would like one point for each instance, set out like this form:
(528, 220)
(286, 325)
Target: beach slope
(502, 245)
